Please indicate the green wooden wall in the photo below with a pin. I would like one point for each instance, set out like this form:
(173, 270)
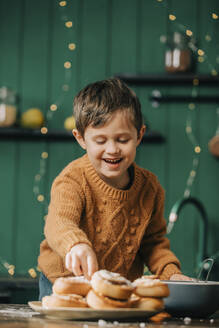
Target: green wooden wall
(111, 36)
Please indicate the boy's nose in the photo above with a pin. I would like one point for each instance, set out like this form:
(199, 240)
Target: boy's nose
(112, 148)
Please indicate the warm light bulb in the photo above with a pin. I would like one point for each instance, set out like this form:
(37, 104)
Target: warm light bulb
(214, 72)
(72, 46)
(193, 173)
(63, 3)
(32, 273)
(67, 64)
(188, 129)
(44, 155)
(201, 59)
(195, 81)
(191, 106)
(53, 107)
(197, 149)
(214, 16)
(44, 130)
(172, 17)
(189, 32)
(68, 24)
(201, 52)
(11, 271)
(40, 198)
(208, 37)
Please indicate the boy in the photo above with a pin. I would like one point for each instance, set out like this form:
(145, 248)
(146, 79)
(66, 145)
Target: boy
(105, 211)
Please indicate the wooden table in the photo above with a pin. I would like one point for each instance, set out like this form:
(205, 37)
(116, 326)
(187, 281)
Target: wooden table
(22, 316)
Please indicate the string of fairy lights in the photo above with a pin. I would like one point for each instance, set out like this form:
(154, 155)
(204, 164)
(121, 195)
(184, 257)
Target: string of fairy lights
(202, 57)
(56, 105)
(53, 108)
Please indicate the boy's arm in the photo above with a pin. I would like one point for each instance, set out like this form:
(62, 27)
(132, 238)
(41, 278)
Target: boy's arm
(155, 247)
(62, 229)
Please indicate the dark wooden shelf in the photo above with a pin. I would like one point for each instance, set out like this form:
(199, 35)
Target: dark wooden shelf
(185, 99)
(16, 134)
(18, 283)
(168, 79)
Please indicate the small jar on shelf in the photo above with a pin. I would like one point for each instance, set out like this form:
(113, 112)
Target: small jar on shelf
(178, 54)
(8, 107)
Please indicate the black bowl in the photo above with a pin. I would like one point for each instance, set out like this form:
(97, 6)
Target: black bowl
(198, 299)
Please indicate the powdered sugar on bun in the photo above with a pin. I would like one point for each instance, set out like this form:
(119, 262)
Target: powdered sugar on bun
(147, 282)
(56, 300)
(111, 284)
(78, 279)
(152, 276)
(71, 285)
(150, 288)
(111, 277)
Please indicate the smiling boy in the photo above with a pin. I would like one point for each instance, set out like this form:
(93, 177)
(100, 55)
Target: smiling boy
(105, 211)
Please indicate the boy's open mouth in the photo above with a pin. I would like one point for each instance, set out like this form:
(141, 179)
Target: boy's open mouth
(112, 161)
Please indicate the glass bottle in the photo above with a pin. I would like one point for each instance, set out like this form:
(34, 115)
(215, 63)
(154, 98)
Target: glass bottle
(8, 107)
(178, 54)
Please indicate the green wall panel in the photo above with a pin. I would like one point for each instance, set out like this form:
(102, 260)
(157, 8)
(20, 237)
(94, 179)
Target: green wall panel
(33, 92)
(10, 34)
(152, 61)
(8, 182)
(94, 41)
(208, 169)
(123, 36)
(111, 36)
(29, 212)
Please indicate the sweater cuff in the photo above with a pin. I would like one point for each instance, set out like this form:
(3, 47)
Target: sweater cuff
(70, 241)
(169, 270)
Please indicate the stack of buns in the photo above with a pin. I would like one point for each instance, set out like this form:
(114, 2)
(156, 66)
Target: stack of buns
(108, 290)
(151, 292)
(68, 292)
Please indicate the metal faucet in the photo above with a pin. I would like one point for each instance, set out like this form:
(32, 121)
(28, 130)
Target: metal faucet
(174, 214)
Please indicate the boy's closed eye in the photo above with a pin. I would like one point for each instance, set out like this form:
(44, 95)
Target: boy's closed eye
(120, 140)
(100, 141)
(123, 140)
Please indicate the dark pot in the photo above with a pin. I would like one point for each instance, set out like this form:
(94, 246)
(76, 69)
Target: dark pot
(192, 299)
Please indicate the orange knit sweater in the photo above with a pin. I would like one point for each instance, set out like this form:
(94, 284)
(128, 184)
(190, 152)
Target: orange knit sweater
(125, 228)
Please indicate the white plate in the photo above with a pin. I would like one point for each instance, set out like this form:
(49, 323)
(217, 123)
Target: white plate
(91, 314)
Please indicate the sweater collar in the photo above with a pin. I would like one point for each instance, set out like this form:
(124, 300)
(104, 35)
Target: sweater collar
(108, 190)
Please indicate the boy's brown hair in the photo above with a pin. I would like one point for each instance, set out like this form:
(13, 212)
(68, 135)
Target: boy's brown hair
(95, 104)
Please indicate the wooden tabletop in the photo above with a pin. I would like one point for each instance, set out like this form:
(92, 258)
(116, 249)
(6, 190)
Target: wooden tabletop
(22, 316)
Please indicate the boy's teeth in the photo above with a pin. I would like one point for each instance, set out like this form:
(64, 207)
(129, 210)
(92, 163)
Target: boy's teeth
(113, 161)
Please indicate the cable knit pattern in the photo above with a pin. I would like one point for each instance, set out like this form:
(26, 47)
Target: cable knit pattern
(126, 228)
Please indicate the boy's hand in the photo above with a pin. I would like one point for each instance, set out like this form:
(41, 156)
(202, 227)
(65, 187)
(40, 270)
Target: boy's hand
(81, 260)
(178, 276)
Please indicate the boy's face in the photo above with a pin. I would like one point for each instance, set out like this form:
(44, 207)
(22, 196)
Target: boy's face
(111, 148)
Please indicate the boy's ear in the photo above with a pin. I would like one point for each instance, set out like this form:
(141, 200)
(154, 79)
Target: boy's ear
(79, 138)
(141, 134)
